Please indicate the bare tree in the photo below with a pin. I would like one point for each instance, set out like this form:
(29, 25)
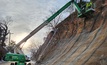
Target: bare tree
(55, 21)
(11, 45)
(33, 49)
(4, 22)
(3, 33)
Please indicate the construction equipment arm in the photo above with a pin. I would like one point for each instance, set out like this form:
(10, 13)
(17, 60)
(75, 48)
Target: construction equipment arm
(43, 24)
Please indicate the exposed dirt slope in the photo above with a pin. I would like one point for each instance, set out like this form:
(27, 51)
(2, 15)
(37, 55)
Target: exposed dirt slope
(78, 41)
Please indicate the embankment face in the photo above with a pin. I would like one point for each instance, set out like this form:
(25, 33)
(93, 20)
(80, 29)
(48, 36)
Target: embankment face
(78, 41)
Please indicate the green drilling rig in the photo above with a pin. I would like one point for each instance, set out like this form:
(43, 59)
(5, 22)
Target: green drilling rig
(83, 8)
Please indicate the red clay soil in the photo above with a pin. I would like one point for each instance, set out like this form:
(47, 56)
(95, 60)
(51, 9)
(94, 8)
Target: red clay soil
(78, 41)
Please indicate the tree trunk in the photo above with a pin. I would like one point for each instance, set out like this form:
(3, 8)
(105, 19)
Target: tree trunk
(3, 51)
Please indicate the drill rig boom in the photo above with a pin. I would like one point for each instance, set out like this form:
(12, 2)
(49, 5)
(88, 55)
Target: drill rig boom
(41, 26)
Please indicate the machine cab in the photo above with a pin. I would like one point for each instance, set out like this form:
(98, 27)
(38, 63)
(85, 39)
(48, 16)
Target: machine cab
(86, 6)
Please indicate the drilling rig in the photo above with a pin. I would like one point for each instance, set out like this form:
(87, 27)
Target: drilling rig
(83, 8)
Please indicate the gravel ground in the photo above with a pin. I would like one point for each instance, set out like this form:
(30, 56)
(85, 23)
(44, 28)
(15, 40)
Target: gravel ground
(6, 63)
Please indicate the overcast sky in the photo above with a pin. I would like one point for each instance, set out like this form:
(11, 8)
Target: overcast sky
(27, 15)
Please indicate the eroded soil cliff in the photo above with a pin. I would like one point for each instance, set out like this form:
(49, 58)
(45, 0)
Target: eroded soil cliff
(77, 41)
